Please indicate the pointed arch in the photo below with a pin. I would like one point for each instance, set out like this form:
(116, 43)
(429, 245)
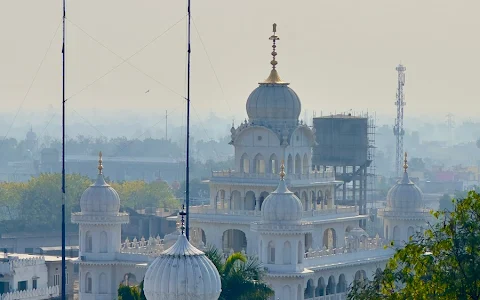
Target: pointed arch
(273, 164)
(309, 291)
(249, 201)
(88, 283)
(88, 242)
(259, 164)
(271, 253)
(342, 284)
(396, 233)
(298, 164)
(263, 195)
(320, 290)
(331, 285)
(330, 238)
(287, 292)
(290, 164)
(244, 163)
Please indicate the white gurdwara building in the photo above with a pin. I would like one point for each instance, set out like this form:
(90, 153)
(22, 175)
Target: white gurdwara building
(311, 247)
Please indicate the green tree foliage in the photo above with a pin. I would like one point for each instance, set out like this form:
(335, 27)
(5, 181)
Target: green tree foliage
(242, 277)
(36, 205)
(41, 199)
(126, 292)
(139, 194)
(441, 263)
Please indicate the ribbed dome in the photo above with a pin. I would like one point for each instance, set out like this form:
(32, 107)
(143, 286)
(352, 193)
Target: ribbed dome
(182, 272)
(405, 196)
(273, 104)
(100, 198)
(282, 205)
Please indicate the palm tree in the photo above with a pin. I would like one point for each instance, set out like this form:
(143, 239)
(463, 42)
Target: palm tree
(242, 277)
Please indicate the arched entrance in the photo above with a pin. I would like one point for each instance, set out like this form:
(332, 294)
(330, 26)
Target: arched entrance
(236, 200)
(244, 163)
(129, 279)
(273, 164)
(263, 195)
(330, 238)
(249, 201)
(198, 237)
(290, 164)
(259, 164)
(234, 239)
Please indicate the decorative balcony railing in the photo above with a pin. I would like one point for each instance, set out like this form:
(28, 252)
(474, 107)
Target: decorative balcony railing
(37, 294)
(322, 176)
(354, 244)
(209, 210)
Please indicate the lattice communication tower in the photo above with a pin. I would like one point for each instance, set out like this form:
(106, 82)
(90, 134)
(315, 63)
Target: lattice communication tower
(398, 130)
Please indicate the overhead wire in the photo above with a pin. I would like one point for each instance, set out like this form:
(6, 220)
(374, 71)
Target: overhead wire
(211, 65)
(124, 60)
(30, 86)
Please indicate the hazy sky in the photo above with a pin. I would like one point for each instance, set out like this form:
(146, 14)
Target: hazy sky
(337, 55)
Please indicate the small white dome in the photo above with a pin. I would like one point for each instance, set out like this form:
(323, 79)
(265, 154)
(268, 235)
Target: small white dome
(282, 205)
(182, 272)
(100, 198)
(405, 196)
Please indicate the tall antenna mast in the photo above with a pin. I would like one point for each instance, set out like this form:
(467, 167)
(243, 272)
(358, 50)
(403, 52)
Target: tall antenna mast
(187, 162)
(398, 130)
(64, 267)
(166, 125)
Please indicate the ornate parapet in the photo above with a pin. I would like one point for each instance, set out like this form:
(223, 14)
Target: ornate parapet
(150, 247)
(81, 218)
(353, 245)
(37, 294)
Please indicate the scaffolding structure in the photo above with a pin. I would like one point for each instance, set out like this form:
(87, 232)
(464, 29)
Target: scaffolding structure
(346, 144)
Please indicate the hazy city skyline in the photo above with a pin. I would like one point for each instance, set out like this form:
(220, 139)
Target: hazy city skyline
(335, 55)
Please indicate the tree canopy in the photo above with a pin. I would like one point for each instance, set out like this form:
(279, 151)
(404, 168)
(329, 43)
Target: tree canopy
(36, 205)
(441, 263)
(242, 277)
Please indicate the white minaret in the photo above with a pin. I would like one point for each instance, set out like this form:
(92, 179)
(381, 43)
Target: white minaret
(405, 213)
(282, 241)
(100, 239)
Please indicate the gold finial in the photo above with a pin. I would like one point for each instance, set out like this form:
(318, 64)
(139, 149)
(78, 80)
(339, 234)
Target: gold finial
(274, 38)
(405, 165)
(274, 78)
(100, 165)
(282, 171)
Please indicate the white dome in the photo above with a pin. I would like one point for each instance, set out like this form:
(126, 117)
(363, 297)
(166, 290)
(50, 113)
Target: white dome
(405, 196)
(282, 205)
(100, 198)
(182, 272)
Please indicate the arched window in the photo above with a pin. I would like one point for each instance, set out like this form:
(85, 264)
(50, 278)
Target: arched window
(259, 164)
(103, 242)
(273, 164)
(103, 283)
(287, 292)
(411, 231)
(244, 163)
(330, 238)
(300, 253)
(287, 253)
(306, 166)
(271, 252)
(298, 164)
(290, 164)
(88, 242)
(88, 283)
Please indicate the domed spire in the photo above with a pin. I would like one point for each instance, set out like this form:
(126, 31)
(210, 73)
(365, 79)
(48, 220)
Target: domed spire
(274, 78)
(405, 165)
(282, 205)
(182, 272)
